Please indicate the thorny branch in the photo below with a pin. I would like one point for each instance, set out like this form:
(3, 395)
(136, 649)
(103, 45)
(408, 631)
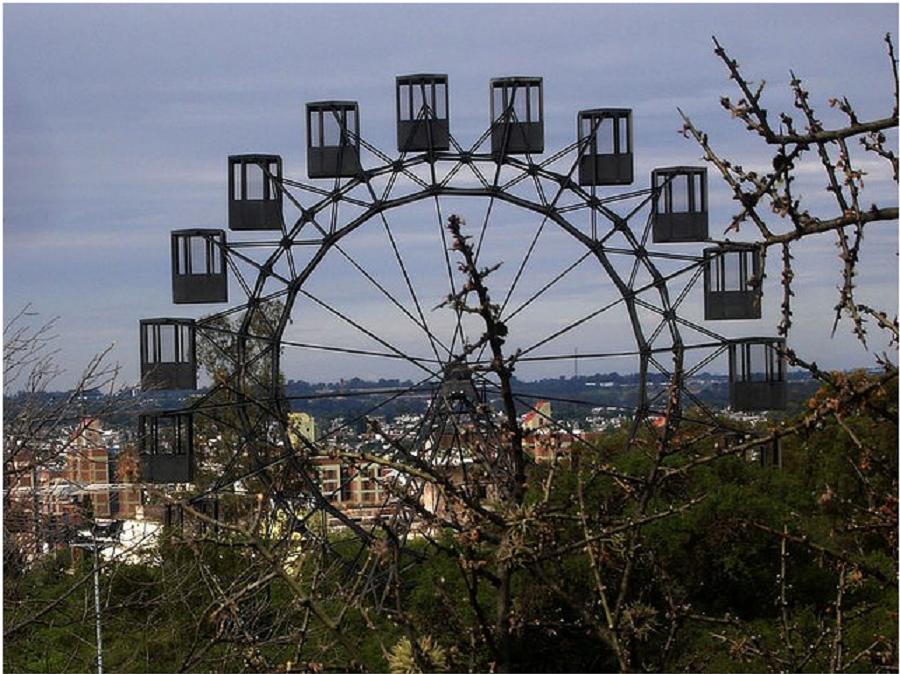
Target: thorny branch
(754, 191)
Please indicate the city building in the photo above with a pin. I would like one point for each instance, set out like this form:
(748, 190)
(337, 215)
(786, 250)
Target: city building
(540, 416)
(301, 426)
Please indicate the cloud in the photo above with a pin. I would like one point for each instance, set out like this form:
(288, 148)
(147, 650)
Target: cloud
(118, 119)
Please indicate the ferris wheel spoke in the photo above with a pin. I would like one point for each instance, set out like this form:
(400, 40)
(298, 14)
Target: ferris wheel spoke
(456, 168)
(458, 331)
(543, 289)
(661, 312)
(521, 267)
(660, 368)
(664, 392)
(321, 191)
(624, 196)
(687, 288)
(233, 357)
(512, 182)
(204, 405)
(487, 214)
(256, 310)
(460, 162)
(239, 276)
(480, 176)
(389, 161)
(660, 279)
(286, 245)
(657, 332)
(637, 258)
(685, 390)
(548, 207)
(552, 159)
(571, 326)
(574, 356)
(494, 187)
(654, 254)
(648, 196)
(259, 267)
(715, 424)
(524, 398)
(540, 190)
(393, 394)
(606, 355)
(423, 325)
(365, 331)
(571, 208)
(473, 149)
(389, 186)
(356, 352)
(231, 311)
(648, 228)
(683, 321)
(433, 340)
(290, 260)
(484, 223)
(300, 223)
(335, 206)
(706, 361)
(224, 479)
(708, 413)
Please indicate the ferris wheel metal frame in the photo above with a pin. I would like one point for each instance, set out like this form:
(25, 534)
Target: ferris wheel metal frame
(430, 157)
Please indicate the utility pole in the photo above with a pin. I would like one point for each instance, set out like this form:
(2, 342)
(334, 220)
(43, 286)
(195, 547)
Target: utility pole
(97, 602)
(95, 548)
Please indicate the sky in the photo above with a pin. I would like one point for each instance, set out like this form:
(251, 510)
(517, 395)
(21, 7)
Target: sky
(118, 120)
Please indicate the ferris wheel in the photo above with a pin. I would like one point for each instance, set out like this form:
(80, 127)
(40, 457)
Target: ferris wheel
(355, 271)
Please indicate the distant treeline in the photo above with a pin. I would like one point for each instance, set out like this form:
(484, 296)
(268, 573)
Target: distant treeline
(571, 397)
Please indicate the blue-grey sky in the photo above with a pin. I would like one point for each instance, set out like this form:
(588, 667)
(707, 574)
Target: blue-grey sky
(118, 120)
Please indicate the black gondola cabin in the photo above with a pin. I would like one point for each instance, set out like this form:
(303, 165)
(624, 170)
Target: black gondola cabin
(757, 377)
(680, 212)
(605, 144)
(732, 282)
(254, 192)
(517, 115)
(332, 139)
(423, 113)
(175, 515)
(199, 275)
(168, 354)
(166, 447)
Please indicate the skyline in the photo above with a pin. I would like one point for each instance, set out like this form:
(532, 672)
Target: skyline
(113, 139)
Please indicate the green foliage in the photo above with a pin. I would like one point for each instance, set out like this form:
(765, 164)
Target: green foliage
(719, 562)
(404, 660)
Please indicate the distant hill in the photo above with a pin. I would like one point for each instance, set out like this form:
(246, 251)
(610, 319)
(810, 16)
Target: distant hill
(572, 397)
